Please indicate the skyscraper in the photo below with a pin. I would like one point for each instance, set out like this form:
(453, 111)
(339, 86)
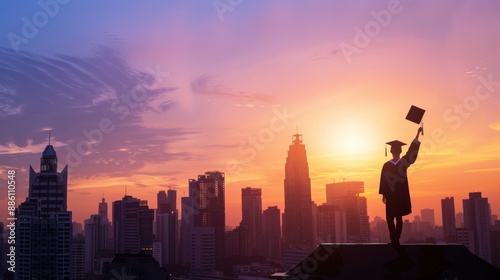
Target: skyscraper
(332, 226)
(98, 239)
(298, 227)
(187, 223)
(477, 218)
(251, 209)
(428, 216)
(166, 228)
(45, 224)
(449, 224)
(132, 225)
(271, 230)
(78, 258)
(345, 197)
(103, 209)
(208, 210)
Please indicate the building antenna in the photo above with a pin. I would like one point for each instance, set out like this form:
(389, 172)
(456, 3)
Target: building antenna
(125, 189)
(49, 137)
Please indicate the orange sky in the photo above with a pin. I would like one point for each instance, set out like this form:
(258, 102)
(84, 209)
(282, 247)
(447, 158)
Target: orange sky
(226, 81)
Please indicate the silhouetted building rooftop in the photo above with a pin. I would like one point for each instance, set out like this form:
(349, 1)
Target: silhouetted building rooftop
(381, 261)
(133, 266)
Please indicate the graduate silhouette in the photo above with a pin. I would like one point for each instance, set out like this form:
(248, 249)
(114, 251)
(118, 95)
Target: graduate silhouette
(394, 185)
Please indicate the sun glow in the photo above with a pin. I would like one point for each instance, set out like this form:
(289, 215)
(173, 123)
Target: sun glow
(350, 138)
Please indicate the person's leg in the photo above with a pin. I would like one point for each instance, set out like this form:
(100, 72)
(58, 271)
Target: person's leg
(399, 228)
(392, 227)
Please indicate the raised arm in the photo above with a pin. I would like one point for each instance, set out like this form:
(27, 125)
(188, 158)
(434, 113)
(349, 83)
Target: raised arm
(412, 153)
(419, 131)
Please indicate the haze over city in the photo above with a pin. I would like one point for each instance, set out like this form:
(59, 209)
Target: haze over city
(141, 98)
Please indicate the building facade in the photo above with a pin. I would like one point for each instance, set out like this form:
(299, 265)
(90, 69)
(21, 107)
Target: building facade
(449, 222)
(132, 225)
(345, 196)
(271, 232)
(477, 218)
(251, 218)
(45, 225)
(298, 220)
(208, 210)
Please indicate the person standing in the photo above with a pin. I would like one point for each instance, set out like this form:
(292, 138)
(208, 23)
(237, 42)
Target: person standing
(394, 186)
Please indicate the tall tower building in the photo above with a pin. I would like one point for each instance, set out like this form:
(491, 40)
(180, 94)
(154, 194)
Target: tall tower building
(332, 226)
(103, 209)
(251, 209)
(166, 228)
(208, 210)
(45, 225)
(477, 218)
(449, 224)
(132, 225)
(78, 258)
(428, 216)
(98, 239)
(298, 226)
(187, 223)
(345, 197)
(162, 202)
(172, 199)
(271, 232)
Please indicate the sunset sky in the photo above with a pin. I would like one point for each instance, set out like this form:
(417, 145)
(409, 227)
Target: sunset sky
(166, 90)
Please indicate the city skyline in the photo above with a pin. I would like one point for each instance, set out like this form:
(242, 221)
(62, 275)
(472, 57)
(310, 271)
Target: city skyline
(202, 89)
(416, 211)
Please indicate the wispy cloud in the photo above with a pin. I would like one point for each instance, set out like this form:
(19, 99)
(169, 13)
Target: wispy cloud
(69, 95)
(209, 86)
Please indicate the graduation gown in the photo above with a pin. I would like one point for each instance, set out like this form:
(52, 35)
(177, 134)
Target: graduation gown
(394, 183)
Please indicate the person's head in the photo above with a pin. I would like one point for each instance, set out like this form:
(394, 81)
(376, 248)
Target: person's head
(396, 151)
(395, 148)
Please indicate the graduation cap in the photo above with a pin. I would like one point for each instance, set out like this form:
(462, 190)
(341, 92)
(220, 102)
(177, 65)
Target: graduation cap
(394, 144)
(415, 115)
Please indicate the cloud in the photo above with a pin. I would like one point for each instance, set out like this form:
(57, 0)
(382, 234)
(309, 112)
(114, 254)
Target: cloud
(72, 96)
(495, 126)
(208, 86)
(324, 56)
(494, 169)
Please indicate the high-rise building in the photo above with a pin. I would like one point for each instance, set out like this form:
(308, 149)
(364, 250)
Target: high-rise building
(103, 209)
(203, 242)
(345, 197)
(297, 224)
(166, 234)
(251, 209)
(237, 242)
(332, 225)
(459, 218)
(206, 209)
(132, 225)
(495, 244)
(98, 239)
(449, 224)
(428, 216)
(78, 257)
(187, 223)
(477, 218)
(77, 229)
(162, 202)
(271, 232)
(466, 237)
(44, 234)
(172, 199)
(166, 228)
